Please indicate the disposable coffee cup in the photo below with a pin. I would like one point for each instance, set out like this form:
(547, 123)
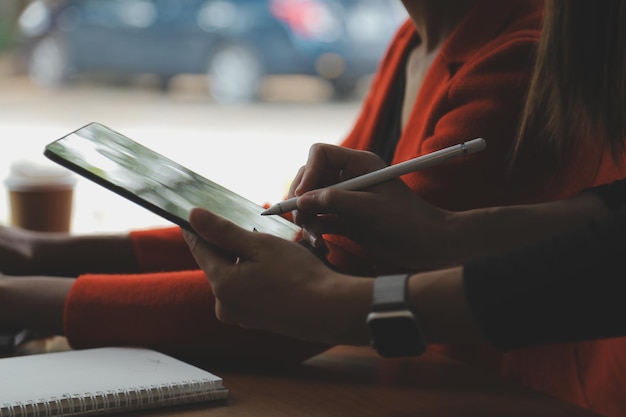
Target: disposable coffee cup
(40, 196)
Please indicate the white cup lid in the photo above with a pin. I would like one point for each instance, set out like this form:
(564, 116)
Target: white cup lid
(25, 175)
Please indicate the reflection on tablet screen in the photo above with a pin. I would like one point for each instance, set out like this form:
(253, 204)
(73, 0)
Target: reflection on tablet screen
(156, 182)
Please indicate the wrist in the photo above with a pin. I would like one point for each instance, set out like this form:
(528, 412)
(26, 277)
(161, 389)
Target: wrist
(430, 239)
(353, 299)
(35, 303)
(450, 240)
(468, 234)
(438, 300)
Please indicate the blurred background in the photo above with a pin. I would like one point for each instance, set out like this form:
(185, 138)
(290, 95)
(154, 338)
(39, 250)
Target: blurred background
(236, 90)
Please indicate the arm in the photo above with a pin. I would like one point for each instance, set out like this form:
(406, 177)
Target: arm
(169, 311)
(392, 221)
(172, 312)
(482, 232)
(564, 289)
(568, 288)
(24, 252)
(279, 286)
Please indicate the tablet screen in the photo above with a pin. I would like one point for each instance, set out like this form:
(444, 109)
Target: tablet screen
(156, 182)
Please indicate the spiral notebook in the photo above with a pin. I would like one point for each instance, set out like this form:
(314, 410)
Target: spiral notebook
(101, 381)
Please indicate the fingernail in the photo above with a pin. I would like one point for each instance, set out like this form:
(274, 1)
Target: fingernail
(189, 237)
(314, 241)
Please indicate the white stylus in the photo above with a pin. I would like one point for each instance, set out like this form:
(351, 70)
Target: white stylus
(393, 171)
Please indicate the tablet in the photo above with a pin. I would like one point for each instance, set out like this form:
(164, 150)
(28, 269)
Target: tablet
(155, 182)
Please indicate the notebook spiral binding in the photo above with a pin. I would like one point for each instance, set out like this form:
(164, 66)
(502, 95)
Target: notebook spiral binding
(115, 401)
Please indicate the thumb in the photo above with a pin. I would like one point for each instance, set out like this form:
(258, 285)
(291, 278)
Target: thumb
(220, 233)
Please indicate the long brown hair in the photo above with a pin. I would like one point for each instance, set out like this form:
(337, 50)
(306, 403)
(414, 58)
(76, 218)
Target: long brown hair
(578, 88)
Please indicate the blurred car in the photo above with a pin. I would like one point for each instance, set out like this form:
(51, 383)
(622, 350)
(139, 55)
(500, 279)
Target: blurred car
(236, 43)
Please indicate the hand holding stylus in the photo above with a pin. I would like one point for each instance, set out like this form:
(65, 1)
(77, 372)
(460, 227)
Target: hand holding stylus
(392, 171)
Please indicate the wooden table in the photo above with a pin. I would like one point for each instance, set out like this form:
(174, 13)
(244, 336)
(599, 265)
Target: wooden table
(347, 381)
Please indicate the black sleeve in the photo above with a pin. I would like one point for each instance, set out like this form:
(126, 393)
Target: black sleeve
(569, 288)
(613, 195)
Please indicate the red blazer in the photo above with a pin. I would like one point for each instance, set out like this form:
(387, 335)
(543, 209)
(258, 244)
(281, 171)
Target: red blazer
(475, 88)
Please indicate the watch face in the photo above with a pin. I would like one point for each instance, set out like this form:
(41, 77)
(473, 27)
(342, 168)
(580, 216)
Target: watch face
(396, 334)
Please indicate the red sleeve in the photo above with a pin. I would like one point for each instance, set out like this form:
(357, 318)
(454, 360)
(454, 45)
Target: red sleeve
(169, 308)
(165, 249)
(162, 249)
(172, 312)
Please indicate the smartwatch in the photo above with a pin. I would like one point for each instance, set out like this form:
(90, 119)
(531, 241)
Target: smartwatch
(393, 327)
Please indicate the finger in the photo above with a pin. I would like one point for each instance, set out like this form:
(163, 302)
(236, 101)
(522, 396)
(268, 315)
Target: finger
(296, 182)
(224, 314)
(313, 238)
(310, 220)
(314, 234)
(301, 218)
(221, 232)
(360, 204)
(212, 260)
(329, 164)
(318, 164)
